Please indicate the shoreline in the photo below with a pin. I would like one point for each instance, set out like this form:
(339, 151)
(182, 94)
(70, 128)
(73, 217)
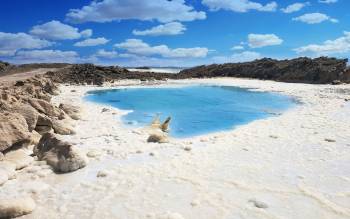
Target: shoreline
(272, 163)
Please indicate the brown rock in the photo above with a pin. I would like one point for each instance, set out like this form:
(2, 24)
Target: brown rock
(29, 114)
(46, 108)
(62, 127)
(13, 131)
(70, 110)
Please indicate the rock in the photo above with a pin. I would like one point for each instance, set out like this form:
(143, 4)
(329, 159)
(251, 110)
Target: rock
(43, 129)
(10, 208)
(62, 127)
(61, 155)
(336, 82)
(322, 70)
(72, 111)
(29, 114)
(105, 110)
(19, 158)
(158, 138)
(13, 131)
(329, 140)
(258, 204)
(44, 124)
(35, 137)
(102, 173)
(44, 120)
(46, 108)
(187, 148)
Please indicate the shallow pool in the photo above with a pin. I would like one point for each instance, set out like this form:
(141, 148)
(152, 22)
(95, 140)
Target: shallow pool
(194, 110)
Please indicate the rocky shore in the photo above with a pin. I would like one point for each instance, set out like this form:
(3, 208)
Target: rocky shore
(321, 70)
(32, 127)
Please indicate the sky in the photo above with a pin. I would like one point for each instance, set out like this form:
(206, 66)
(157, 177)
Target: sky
(179, 33)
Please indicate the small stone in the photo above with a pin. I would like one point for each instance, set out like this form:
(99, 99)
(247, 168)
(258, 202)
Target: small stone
(105, 110)
(73, 91)
(258, 204)
(273, 136)
(329, 140)
(10, 208)
(187, 148)
(102, 173)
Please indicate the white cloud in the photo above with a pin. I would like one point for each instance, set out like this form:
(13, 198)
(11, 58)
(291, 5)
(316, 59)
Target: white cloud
(92, 42)
(106, 54)
(245, 56)
(173, 28)
(327, 1)
(111, 10)
(11, 42)
(262, 40)
(86, 33)
(45, 56)
(237, 48)
(295, 7)
(239, 5)
(55, 30)
(138, 47)
(315, 18)
(337, 46)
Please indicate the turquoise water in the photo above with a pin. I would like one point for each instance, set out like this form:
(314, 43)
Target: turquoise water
(195, 110)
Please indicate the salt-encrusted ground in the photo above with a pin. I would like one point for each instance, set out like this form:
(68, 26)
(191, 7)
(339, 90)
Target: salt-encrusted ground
(296, 165)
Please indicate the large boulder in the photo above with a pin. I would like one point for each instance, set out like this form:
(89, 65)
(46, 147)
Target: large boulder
(29, 114)
(61, 155)
(10, 208)
(46, 108)
(13, 131)
(72, 111)
(62, 127)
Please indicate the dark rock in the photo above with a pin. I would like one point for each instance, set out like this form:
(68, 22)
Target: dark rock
(61, 155)
(321, 70)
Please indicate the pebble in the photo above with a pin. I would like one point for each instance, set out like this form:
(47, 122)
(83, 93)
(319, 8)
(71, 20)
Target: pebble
(187, 148)
(102, 173)
(329, 140)
(258, 204)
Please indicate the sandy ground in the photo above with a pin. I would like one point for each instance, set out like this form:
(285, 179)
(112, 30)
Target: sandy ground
(296, 165)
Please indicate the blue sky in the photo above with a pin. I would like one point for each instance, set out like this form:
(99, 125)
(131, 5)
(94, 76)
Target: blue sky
(171, 32)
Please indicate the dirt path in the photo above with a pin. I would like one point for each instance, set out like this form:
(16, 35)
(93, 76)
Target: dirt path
(7, 79)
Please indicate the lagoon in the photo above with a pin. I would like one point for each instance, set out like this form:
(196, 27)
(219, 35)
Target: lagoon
(195, 110)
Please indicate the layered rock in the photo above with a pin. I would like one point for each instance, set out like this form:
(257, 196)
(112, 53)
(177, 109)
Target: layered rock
(61, 155)
(14, 131)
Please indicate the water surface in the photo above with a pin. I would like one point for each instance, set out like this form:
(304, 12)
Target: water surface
(195, 110)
